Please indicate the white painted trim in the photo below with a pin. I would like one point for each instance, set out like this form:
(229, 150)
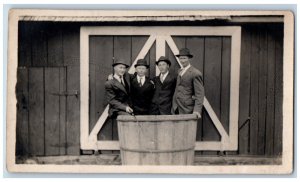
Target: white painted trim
(162, 35)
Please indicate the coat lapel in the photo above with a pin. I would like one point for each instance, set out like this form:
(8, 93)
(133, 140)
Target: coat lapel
(167, 79)
(120, 86)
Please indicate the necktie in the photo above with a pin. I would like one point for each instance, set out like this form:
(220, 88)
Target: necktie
(161, 78)
(121, 78)
(140, 83)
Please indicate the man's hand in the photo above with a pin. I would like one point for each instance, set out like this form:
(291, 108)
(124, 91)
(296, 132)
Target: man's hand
(110, 77)
(129, 110)
(198, 114)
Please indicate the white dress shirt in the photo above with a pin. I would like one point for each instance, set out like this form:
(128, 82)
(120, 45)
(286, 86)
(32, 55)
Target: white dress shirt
(184, 70)
(163, 77)
(139, 79)
(119, 79)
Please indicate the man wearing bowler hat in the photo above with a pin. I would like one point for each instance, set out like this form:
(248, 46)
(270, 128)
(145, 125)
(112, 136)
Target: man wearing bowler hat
(189, 93)
(142, 89)
(165, 84)
(118, 91)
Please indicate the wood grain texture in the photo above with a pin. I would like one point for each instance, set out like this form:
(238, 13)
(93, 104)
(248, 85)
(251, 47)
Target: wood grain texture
(25, 44)
(278, 91)
(244, 105)
(36, 111)
(52, 111)
(270, 95)
(262, 97)
(22, 135)
(254, 91)
(212, 84)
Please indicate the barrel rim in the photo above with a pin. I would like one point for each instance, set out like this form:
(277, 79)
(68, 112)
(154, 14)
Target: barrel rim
(153, 118)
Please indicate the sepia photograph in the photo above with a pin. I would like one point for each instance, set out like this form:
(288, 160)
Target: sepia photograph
(150, 91)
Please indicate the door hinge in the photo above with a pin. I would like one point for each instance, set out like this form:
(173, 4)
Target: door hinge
(67, 93)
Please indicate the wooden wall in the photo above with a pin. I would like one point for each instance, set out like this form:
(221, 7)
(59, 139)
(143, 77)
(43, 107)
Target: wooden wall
(48, 86)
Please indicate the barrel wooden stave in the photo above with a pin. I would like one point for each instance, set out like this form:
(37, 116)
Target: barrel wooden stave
(169, 136)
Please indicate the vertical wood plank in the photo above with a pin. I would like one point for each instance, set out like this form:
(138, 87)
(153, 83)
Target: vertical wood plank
(71, 60)
(36, 112)
(22, 134)
(152, 61)
(122, 48)
(225, 83)
(262, 90)
(62, 111)
(73, 114)
(212, 64)
(244, 100)
(54, 45)
(24, 44)
(270, 95)
(102, 56)
(278, 91)
(52, 111)
(196, 46)
(254, 91)
(39, 45)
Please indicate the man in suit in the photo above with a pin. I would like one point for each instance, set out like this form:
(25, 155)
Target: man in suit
(142, 89)
(118, 91)
(189, 93)
(165, 84)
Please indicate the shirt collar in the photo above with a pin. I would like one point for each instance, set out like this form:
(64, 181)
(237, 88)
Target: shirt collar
(139, 77)
(187, 67)
(118, 77)
(164, 75)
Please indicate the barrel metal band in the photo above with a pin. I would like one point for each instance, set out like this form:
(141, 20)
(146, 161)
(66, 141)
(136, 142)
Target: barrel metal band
(156, 151)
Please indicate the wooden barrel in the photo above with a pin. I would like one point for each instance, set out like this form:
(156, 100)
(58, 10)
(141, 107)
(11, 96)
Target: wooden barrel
(157, 139)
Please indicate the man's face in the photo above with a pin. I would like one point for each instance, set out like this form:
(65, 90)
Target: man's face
(120, 69)
(184, 60)
(163, 67)
(141, 70)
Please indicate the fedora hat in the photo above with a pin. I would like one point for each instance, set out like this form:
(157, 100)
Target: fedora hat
(184, 52)
(141, 62)
(120, 61)
(163, 58)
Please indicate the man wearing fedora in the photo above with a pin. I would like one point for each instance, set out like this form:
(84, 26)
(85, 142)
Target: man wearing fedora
(142, 89)
(189, 92)
(118, 91)
(165, 84)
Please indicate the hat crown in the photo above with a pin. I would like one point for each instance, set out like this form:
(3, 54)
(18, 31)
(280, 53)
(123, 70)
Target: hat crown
(141, 62)
(184, 51)
(164, 59)
(119, 61)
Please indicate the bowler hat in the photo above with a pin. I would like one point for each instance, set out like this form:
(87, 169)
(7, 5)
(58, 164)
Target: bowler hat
(184, 52)
(163, 58)
(120, 61)
(141, 62)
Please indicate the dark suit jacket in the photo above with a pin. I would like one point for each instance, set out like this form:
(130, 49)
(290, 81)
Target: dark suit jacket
(189, 92)
(141, 96)
(117, 95)
(163, 95)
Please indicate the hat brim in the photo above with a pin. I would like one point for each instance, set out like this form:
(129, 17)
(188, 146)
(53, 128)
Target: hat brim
(147, 66)
(166, 61)
(115, 64)
(189, 55)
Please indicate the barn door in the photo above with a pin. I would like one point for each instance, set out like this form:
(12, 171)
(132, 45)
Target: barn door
(216, 53)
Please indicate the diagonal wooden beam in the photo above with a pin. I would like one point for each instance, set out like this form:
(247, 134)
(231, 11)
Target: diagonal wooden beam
(206, 104)
(104, 115)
